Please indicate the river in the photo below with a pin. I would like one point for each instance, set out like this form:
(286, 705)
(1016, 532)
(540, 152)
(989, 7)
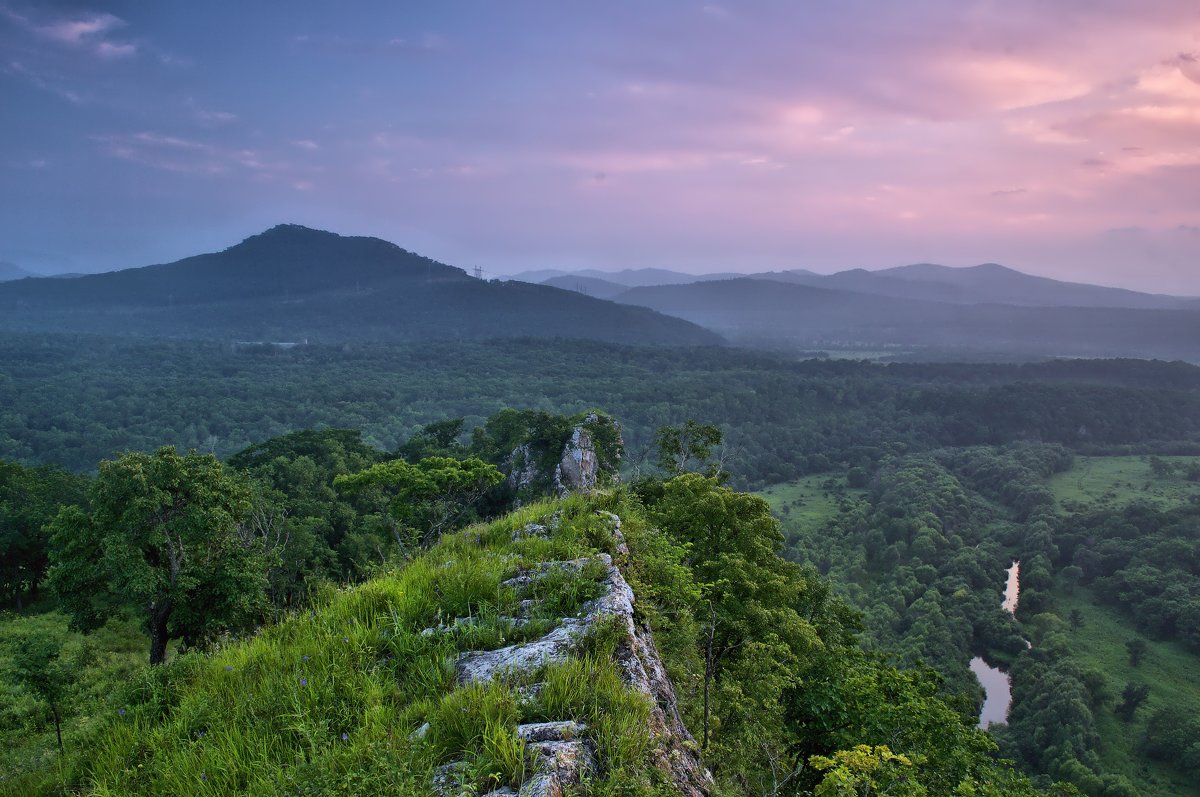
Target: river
(996, 684)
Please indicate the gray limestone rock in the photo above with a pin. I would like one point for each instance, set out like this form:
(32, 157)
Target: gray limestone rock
(551, 731)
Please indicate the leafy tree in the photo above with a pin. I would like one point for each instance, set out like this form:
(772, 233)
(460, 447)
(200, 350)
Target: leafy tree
(42, 666)
(1136, 648)
(864, 771)
(313, 532)
(428, 497)
(435, 439)
(162, 537)
(29, 499)
(1132, 698)
(688, 448)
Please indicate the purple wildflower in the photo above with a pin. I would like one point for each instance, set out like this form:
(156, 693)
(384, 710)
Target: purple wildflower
(121, 712)
(345, 737)
(229, 669)
(304, 682)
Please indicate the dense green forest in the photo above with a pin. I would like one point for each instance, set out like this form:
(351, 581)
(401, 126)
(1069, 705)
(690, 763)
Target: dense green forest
(72, 401)
(1109, 579)
(326, 696)
(905, 489)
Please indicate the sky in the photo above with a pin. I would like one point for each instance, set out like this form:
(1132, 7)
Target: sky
(1059, 137)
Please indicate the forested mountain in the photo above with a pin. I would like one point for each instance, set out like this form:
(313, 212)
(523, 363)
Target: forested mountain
(752, 311)
(292, 283)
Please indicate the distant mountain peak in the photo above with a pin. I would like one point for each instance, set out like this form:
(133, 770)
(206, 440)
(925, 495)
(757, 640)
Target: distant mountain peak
(291, 233)
(994, 268)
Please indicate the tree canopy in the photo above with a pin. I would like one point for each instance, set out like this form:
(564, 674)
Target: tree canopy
(163, 538)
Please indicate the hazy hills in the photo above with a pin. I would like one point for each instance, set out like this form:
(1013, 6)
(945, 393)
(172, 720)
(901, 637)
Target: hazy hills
(762, 312)
(11, 271)
(291, 283)
(988, 283)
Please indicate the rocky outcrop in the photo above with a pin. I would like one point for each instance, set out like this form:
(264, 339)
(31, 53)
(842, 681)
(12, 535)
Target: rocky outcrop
(522, 468)
(561, 751)
(577, 470)
(589, 458)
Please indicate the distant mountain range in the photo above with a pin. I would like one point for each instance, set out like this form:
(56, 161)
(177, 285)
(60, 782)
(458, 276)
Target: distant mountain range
(11, 271)
(770, 313)
(292, 283)
(989, 283)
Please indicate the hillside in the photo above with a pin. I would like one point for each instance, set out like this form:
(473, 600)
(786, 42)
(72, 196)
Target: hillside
(770, 313)
(988, 283)
(590, 286)
(11, 271)
(993, 283)
(292, 283)
(558, 645)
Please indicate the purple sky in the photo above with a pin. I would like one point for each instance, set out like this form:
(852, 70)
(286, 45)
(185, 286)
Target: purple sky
(1059, 137)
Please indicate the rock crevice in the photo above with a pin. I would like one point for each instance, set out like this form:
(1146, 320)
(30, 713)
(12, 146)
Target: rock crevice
(561, 752)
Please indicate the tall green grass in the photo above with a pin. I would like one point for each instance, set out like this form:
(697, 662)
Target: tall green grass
(329, 701)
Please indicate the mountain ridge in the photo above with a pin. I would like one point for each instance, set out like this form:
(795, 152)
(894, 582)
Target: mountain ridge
(986, 283)
(781, 315)
(291, 283)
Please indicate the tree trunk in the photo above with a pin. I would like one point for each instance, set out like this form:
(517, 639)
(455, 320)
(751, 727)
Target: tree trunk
(57, 725)
(709, 666)
(159, 636)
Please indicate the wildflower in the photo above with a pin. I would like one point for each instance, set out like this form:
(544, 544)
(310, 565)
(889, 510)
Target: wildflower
(304, 682)
(345, 737)
(304, 657)
(121, 712)
(229, 669)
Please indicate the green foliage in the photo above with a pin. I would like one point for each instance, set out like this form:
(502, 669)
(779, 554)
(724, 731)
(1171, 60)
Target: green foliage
(688, 447)
(56, 684)
(429, 497)
(1133, 696)
(866, 770)
(29, 499)
(40, 665)
(310, 532)
(1137, 651)
(74, 400)
(162, 538)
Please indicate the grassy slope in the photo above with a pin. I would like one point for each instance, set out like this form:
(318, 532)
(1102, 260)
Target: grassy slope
(325, 702)
(1099, 643)
(29, 758)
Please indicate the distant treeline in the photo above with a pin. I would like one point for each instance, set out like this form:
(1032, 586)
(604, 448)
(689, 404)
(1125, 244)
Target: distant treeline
(73, 400)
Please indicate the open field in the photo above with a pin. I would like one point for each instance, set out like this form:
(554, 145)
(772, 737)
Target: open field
(807, 504)
(1117, 481)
